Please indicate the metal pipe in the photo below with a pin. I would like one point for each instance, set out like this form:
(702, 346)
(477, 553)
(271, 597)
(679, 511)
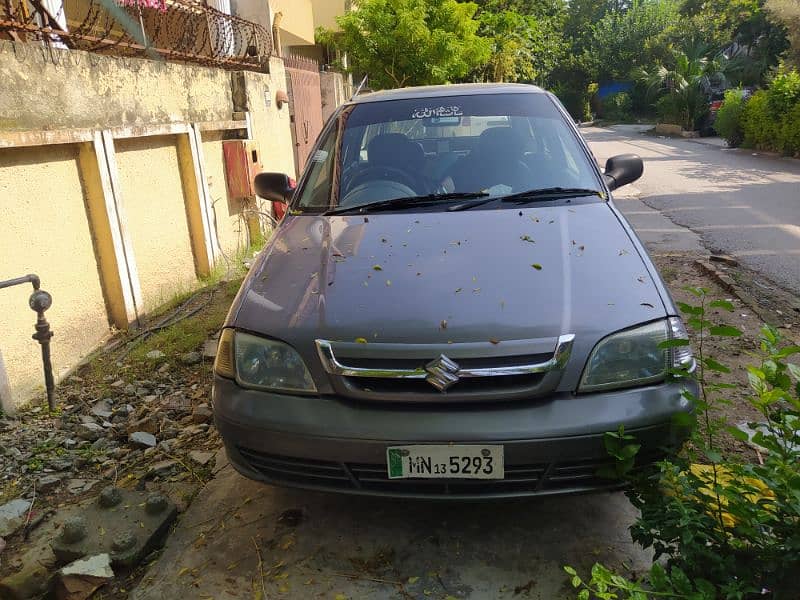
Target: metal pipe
(39, 302)
(31, 278)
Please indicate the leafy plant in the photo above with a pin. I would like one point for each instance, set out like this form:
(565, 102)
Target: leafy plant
(524, 47)
(634, 37)
(685, 80)
(722, 528)
(784, 92)
(729, 118)
(770, 120)
(787, 14)
(617, 107)
(399, 43)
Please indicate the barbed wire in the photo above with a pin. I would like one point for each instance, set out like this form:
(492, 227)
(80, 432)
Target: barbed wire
(176, 30)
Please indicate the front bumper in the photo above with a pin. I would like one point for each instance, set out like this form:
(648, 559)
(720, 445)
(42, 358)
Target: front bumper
(552, 446)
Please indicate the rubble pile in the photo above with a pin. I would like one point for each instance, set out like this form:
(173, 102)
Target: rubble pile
(138, 434)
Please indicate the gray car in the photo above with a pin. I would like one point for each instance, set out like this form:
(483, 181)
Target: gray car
(452, 307)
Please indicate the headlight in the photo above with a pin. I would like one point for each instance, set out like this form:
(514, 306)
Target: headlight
(633, 357)
(262, 363)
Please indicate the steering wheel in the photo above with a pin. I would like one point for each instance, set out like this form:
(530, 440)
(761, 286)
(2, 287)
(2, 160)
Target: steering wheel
(382, 173)
(375, 191)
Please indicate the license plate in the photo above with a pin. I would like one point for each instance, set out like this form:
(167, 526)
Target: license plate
(440, 461)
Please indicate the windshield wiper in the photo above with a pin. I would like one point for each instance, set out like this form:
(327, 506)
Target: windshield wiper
(551, 193)
(404, 202)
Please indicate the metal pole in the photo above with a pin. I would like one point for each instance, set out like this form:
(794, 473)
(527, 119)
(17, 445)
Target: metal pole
(39, 301)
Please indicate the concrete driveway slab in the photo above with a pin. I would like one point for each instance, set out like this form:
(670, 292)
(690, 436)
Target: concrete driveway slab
(317, 545)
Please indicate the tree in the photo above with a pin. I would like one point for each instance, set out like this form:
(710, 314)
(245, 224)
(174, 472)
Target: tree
(632, 38)
(524, 47)
(412, 42)
(717, 22)
(787, 13)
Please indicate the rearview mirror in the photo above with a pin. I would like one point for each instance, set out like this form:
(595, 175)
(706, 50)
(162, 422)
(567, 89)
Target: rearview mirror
(622, 170)
(277, 187)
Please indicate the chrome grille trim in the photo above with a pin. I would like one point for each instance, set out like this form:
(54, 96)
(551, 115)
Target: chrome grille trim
(333, 366)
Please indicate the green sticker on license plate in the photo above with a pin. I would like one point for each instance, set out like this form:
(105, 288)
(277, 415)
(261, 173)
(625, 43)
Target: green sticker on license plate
(395, 462)
(445, 461)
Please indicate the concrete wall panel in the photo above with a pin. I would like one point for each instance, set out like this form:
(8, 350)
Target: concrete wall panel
(60, 89)
(271, 126)
(44, 230)
(155, 213)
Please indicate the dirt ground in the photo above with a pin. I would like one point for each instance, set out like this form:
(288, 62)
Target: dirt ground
(756, 302)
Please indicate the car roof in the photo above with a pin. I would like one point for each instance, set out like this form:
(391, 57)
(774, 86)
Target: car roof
(458, 89)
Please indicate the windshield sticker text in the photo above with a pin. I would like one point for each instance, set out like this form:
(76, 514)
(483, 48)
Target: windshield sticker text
(437, 111)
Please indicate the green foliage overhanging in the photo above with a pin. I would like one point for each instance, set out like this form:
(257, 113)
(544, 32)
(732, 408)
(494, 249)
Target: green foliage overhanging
(564, 45)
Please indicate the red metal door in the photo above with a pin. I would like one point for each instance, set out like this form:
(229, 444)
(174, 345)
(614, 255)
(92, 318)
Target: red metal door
(305, 106)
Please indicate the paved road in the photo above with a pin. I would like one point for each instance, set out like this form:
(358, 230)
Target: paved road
(738, 202)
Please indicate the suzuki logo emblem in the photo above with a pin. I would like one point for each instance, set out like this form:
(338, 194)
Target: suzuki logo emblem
(442, 373)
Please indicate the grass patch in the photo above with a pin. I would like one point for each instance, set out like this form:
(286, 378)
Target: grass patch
(207, 307)
(189, 334)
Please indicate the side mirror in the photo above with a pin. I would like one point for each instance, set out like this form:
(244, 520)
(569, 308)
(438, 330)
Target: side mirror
(277, 187)
(622, 170)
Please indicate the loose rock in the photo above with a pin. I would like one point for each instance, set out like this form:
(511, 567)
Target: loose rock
(12, 516)
(200, 457)
(155, 355)
(80, 579)
(79, 486)
(191, 358)
(48, 483)
(142, 439)
(102, 409)
(202, 413)
(89, 431)
(162, 468)
(210, 348)
(147, 424)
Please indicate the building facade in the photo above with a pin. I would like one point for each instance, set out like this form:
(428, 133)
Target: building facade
(117, 184)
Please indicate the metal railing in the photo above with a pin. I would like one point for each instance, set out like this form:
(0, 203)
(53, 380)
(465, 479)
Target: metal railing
(175, 30)
(295, 61)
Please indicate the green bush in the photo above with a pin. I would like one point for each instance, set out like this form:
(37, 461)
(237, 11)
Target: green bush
(727, 529)
(729, 118)
(617, 107)
(790, 132)
(758, 125)
(669, 110)
(784, 92)
(771, 118)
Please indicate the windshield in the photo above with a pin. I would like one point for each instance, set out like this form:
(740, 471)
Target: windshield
(497, 144)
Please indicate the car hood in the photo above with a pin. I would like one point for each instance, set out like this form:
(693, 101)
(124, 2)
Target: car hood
(441, 278)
